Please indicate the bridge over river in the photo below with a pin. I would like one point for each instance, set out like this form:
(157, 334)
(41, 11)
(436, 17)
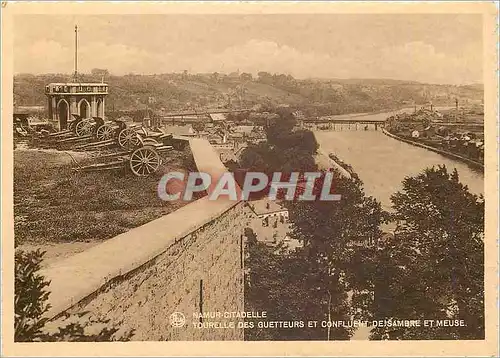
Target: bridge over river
(383, 162)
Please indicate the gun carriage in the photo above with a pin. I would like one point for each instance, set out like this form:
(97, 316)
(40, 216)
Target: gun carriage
(139, 149)
(119, 144)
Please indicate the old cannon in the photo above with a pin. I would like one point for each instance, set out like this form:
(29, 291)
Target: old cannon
(139, 149)
(142, 161)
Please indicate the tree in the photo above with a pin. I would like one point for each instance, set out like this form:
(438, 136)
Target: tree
(275, 282)
(30, 307)
(283, 133)
(246, 76)
(433, 268)
(30, 296)
(198, 126)
(337, 237)
(337, 257)
(265, 77)
(99, 72)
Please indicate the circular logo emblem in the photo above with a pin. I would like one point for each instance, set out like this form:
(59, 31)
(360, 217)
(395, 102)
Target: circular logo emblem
(177, 319)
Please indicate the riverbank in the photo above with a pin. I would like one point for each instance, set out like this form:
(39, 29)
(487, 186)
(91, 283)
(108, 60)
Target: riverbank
(344, 165)
(382, 163)
(324, 161)
(472, 163)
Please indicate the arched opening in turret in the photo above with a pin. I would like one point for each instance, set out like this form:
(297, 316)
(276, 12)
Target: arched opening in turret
(84, 109)
(63, 111)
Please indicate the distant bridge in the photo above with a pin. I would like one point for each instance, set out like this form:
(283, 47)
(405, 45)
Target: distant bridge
(203, 112)
(351, 120)
(348, 122)
(345, 125)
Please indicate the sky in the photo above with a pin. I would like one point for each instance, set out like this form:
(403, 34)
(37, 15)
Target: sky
(430, 48)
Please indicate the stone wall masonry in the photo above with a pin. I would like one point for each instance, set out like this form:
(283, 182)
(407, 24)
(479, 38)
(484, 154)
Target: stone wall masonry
(205, 265)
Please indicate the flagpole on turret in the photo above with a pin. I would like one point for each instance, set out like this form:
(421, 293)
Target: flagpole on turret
(76, 54)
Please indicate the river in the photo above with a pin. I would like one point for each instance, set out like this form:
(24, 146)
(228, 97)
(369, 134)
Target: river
(383, 162)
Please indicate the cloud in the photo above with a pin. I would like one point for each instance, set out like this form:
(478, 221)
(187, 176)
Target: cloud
(417, 61)
(52, 57)
(257, 55)
(412, 61)
(422, 62)
(41, 57)
(120, 59)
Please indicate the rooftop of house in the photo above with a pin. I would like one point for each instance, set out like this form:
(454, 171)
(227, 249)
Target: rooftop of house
(216, 117)
(266, 206)
(236, 135)
(179, 130)
(244, 129)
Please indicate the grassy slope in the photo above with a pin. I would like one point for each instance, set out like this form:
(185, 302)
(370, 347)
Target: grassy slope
(53, 203)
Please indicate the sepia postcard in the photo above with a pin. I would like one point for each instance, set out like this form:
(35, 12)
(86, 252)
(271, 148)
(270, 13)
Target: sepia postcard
(250, 179)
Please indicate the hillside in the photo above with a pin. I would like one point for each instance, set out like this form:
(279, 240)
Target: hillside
(205, 91)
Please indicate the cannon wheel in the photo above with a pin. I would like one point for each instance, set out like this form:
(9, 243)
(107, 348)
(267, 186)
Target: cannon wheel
(144, 161)
(128, 138)
(83, 127)
(104, 132)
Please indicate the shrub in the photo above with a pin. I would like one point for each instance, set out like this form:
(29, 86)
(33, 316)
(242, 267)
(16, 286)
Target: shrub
(30, 305)
(30, 296)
